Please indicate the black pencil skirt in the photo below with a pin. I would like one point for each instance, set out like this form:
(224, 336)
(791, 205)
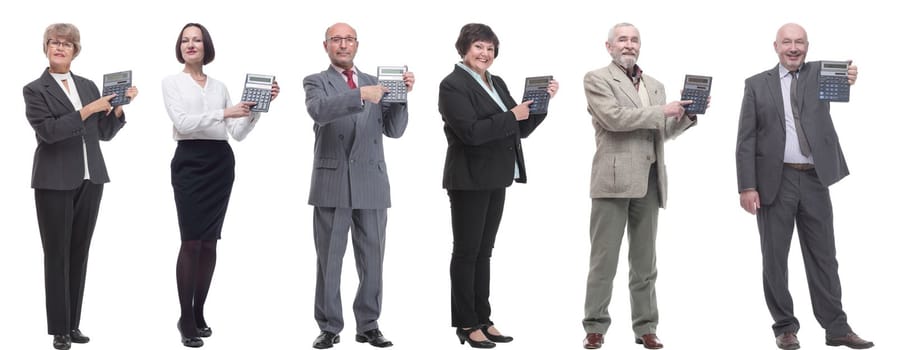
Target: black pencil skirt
(202, 176)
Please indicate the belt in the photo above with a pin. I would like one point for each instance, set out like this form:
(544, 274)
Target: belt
(800, 166)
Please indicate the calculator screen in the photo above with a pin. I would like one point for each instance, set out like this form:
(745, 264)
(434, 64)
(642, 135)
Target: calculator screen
(539, 81)
(698, 80)
(259, 79)
(836, 65)
(391, 71)
(117, 76)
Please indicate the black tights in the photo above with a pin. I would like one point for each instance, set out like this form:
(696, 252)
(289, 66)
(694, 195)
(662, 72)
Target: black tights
(196, 264)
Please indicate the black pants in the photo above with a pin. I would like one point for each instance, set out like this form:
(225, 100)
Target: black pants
(802, 198)
(66, 220)
(475, 219)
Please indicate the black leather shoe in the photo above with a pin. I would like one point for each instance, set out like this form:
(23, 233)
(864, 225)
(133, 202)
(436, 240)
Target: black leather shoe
(373, 337)
(78, 337)
(204, 332)
(190, 341)
(325, 340)
(62, 341)
(495, 338)
(850, 340)
(464, 336)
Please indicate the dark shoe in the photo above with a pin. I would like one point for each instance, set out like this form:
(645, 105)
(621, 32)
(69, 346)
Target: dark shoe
(787, 341)
(495, 338)
(593, 341)
(325, 340)
(62, 341)
(850, 340)
(373, 337)
(78, 337)
(189, 340)
(204, 332)
(464, 336)
(650, 341)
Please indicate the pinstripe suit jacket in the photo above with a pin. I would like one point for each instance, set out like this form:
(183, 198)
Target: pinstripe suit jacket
(350, 175)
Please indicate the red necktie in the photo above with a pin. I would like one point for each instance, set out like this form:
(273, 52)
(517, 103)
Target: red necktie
(349, 80)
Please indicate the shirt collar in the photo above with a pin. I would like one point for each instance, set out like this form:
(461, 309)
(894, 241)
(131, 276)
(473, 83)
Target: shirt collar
(783, 72)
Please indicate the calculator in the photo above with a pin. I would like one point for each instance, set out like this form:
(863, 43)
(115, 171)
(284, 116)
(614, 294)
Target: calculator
(118, 84)
(258, 89)
(393, 78)
(536, 89)
(833, 85)
(697, 89)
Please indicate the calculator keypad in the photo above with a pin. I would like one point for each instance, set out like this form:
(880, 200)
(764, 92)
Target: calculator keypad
(119, 91)
(261, 97)
(834, 88)
(540, 98)
(699, 98)
(398, 92)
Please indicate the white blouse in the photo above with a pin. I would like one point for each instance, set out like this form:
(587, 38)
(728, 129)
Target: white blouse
(198, 112)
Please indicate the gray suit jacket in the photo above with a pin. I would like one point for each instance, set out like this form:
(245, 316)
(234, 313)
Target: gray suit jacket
(760, 151)
(62, 136)
(629, 137)
(350, 175)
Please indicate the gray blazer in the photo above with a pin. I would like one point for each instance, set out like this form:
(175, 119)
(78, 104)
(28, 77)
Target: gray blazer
(760, 151)
(62, 136)
(350, 175)
(629, 137)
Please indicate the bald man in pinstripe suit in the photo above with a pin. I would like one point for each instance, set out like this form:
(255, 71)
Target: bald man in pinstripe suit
(349, 185)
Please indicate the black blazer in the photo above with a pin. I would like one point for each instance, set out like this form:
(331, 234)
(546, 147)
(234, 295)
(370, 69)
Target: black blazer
(59, 156)
(483, 141)
(760, 150)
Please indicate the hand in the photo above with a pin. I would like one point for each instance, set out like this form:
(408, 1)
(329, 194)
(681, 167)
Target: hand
(98, 105)
(552, 88)
(750, 201)
(373, 93)
(851, 72)
(408, 78)
(275, 90)
(521, 111)
(241, 109)
(675, 109)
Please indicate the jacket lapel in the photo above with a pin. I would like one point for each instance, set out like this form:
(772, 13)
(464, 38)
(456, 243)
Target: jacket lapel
(55, 90)
(475, 86)
(625, 84)
(775, 89)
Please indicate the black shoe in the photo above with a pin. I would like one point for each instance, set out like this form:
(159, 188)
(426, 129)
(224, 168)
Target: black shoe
(204, 332)
(62, 341)
(464, 335)
(78, 337)
(373, 337)
(190, 341)
(325, 340)
(495, 338)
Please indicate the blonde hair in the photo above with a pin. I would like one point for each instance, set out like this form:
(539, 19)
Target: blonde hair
(65, 31)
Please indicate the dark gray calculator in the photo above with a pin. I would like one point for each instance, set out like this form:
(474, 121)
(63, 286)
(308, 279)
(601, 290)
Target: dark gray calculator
(258, 89)
(697, 89)
(393, 78)
(833, 84)
(118, 84)
(536, 89)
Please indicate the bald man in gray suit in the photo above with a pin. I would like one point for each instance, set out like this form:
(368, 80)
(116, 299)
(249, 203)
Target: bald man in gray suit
(787, 155)
(349, 185)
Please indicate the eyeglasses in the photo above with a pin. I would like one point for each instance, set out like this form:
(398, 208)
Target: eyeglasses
(63, 44)
(337, 40)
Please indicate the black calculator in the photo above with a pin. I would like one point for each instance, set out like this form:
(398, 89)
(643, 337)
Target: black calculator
(833, 84)
(697, 89)
(536, 89)
(393, 78)
(118, 84)
(258, 89)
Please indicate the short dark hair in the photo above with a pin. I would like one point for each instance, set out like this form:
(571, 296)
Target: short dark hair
(473, 32)
(208, 49)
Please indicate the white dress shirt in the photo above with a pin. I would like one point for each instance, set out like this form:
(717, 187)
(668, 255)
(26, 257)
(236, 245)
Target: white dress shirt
(792, 146)
(198, 112)
(75, 99)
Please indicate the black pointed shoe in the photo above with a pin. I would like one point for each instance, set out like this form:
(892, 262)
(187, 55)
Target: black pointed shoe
(325, 340)
(373, 337)
(78, 337)
(62, 341)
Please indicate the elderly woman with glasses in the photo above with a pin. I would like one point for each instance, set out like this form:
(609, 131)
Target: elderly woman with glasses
(69, 118)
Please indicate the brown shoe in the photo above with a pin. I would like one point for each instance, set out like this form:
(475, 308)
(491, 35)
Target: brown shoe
(787, 341)
(593, 341)
(650, 341)
(850, 340)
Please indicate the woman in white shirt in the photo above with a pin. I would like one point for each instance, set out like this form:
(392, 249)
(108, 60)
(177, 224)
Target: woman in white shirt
(202, 170)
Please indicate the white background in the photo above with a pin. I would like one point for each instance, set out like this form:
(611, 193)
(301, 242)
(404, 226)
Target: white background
(709, 286)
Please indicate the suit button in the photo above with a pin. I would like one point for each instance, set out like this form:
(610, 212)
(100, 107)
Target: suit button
(352, 161)
(378, 120)
(647, 157)
(375, 142)
(341, 136)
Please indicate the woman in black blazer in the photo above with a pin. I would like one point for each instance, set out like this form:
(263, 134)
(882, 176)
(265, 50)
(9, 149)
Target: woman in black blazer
(69, 119)
(483, 126)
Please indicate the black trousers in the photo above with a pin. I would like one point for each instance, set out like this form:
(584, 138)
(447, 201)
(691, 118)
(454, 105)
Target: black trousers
(66, 220)
(475, 219)
(803, 199)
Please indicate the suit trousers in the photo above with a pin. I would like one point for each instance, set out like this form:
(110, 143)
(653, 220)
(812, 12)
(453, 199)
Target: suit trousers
(804, 199)
(476, 216)
(609, 219)
(66, 220)
(331, 227)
